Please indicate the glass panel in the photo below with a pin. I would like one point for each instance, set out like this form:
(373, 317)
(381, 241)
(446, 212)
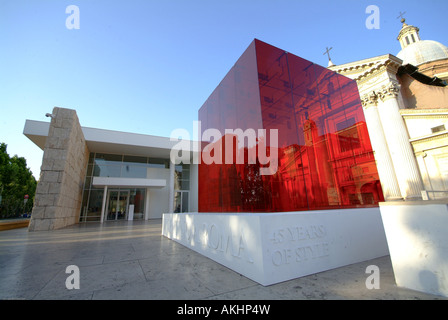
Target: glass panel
(134, 160)
(107, 171)
(158, 163)
(239, 96)
(185, 174)
(84, 203)
(185, 171)
(118, 203)
(88, 183)
(95, 205)
(122, 205)
(185, 184)
(90, 170)
(131, 171)
(109, 159)
(178, 171)
(113, 206)
(276, 193)
(181, 177)
(185, 201)
(177, 202)
(227, 103)
(137, 198)
(363, 169)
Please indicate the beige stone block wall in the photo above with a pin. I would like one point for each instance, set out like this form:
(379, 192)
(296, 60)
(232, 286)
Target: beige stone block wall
(59, 191)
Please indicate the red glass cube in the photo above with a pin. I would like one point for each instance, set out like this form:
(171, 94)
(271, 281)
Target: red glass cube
(325, 159)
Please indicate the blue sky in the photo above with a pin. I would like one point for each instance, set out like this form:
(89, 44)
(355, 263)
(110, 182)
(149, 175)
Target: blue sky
(148, 66)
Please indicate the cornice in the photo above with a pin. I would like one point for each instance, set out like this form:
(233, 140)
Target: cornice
(358, 64)
(424, 113)
(386, 66)
(429, 138)
(369, 68)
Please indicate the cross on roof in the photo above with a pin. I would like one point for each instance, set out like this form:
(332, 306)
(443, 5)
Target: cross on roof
(401, 16)
(328, 53)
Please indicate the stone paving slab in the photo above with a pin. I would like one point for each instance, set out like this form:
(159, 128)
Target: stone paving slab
(132, 261)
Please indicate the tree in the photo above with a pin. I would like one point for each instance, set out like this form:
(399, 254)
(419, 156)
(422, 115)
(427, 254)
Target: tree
(16, 180)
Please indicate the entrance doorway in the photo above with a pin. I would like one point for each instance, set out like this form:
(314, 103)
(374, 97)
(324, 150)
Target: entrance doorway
(117, 205)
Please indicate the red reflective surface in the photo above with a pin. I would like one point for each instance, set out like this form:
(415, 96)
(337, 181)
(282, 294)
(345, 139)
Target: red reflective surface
(325, 159)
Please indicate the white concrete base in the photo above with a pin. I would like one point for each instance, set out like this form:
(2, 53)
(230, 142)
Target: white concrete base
(417, 236)
(274, 247)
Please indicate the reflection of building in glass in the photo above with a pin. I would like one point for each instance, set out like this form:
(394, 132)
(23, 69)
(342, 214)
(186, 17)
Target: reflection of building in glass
(325, 159)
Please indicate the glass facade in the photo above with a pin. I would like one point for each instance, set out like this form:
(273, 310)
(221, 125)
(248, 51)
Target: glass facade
(325, 159)
(123, 166)
(118, 200)
(181, 188)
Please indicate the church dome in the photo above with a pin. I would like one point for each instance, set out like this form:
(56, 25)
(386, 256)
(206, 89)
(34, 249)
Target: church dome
(423, 51)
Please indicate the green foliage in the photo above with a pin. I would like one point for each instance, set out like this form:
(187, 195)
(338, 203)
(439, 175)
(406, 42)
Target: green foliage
(16, 180)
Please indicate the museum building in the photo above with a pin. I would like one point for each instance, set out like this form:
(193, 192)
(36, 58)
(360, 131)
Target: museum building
(96, 175)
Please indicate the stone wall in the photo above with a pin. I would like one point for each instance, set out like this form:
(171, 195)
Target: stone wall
(422, 96)
(59, 191)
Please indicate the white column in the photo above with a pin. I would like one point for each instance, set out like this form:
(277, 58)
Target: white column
(103, 208)
(147, 203)
(386, 172)
(171, 190)
(405, 164)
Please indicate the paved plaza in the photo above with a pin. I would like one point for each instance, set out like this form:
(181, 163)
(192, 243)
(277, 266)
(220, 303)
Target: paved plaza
(132, 260)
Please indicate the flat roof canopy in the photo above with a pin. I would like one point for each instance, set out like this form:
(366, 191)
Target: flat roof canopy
(108, 141)
(128, 182)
